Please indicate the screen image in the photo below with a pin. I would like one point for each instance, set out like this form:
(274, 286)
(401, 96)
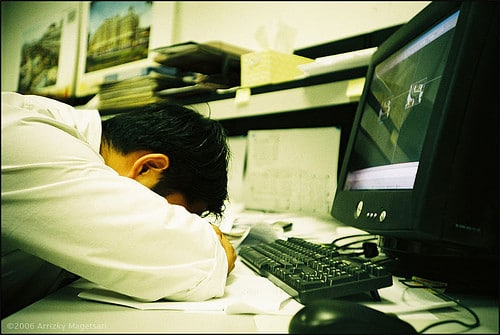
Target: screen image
(398, 107)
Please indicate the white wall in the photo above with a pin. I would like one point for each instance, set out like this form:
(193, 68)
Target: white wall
(236, 22)
(314, 22)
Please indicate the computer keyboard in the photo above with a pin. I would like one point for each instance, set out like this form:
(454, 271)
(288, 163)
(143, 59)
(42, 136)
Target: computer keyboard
(309, 271)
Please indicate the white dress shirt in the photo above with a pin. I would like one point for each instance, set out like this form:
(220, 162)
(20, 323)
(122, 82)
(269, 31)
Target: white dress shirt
(62, 204)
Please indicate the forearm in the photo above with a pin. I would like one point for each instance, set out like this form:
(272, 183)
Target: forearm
(140, 247)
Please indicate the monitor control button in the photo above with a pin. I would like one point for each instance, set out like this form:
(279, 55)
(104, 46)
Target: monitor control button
(359, 209)
(382, 216)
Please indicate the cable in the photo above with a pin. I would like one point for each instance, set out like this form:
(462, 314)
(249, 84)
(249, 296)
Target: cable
(368, 249)
(447, 297)
(349, 236)
(347, 245)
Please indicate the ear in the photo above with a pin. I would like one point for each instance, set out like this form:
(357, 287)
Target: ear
(148, 168)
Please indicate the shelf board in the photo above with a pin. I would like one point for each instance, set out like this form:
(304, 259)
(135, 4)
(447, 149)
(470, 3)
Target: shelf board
(282, 101)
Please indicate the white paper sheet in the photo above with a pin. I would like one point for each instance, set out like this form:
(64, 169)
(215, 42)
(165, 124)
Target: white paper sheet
(292, 169)
(245, 293)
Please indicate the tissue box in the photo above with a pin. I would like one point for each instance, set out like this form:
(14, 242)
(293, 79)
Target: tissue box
(270, 67)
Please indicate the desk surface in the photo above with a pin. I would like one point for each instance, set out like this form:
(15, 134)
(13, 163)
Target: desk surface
(65, 312)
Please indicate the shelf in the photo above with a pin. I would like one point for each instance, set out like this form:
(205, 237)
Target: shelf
(314, 91)
(285, 100)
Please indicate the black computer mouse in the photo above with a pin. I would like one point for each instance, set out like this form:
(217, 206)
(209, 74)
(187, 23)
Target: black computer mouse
(345, 317)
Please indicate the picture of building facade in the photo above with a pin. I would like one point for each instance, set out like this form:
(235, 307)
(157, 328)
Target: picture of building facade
(120, 38)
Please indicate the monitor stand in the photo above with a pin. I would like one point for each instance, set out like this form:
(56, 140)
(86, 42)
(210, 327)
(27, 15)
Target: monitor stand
(463, 270)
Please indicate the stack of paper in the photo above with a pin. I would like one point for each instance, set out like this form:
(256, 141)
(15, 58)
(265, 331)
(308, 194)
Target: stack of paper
(218, 60)
(141, 86)
(343, 61)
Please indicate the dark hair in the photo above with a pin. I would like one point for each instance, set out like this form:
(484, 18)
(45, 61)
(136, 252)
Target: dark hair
(196, 146)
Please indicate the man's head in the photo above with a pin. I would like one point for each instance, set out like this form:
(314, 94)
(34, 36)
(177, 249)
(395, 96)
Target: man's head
(173, 150)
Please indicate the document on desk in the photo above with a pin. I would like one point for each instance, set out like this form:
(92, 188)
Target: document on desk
(244, 294)
(400, 299)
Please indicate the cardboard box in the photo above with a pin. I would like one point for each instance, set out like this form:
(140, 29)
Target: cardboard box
(270, 67)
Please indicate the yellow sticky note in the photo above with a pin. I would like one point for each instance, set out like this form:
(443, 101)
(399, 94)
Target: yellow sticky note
(242, 96)
(355, 87)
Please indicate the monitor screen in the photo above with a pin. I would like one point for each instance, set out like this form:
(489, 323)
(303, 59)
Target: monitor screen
(398, 106)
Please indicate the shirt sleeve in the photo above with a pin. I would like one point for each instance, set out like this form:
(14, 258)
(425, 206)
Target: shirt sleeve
(61, 203)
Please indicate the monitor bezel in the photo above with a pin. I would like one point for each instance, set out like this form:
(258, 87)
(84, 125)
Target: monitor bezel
(411, 213)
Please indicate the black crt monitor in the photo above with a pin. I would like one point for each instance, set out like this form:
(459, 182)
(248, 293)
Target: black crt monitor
(421, 166)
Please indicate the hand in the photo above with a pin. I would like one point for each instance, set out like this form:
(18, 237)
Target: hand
(228, 247)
